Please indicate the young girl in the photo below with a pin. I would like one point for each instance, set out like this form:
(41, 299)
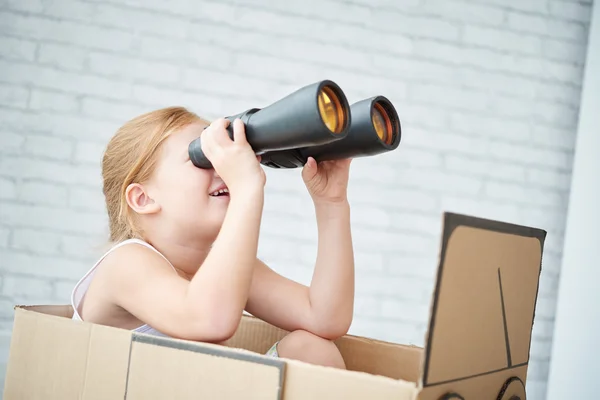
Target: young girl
(185, 239)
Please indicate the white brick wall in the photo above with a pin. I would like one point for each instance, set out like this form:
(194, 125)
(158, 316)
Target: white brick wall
(488, 92)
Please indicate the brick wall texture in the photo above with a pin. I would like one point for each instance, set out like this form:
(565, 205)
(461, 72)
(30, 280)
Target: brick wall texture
(487, 90)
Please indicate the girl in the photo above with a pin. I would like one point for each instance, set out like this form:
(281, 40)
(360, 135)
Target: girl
(185, 239)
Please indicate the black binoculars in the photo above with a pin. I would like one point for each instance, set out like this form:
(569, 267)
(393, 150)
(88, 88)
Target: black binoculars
(315, 121)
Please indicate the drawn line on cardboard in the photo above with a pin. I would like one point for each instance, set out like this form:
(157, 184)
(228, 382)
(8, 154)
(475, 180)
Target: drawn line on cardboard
(476, 375)
(508, 352)
(451, 222)
(165, 342)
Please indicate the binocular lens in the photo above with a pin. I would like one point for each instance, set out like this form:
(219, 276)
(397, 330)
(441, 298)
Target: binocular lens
(382, 123)
(331, 109)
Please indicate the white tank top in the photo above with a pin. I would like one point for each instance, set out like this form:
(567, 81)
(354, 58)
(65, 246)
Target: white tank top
(82, 286)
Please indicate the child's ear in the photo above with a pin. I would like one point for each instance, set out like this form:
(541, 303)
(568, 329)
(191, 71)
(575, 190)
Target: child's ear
(139, 200)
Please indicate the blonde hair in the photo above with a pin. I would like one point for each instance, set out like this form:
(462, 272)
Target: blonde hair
(131, 156)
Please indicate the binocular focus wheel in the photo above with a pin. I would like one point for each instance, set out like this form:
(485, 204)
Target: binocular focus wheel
(451, 396)
(513, 389)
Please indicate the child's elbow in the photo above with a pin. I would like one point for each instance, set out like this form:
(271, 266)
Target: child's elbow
(335, 328)
(224, 327)
(215, 328)
(337, 331)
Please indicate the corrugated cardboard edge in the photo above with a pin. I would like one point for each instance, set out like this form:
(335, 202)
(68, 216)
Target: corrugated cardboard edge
(296, 380)
(452, 221)
(58, 315)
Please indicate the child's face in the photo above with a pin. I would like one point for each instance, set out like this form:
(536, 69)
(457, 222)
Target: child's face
(183, 191)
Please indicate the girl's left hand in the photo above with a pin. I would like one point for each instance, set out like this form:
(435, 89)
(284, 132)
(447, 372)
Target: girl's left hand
(327, 181)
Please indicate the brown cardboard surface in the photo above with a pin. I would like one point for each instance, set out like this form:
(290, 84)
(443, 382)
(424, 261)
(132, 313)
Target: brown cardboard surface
(255, 335)
(478, 339)
(484, 301)
(482, 387)
(107, 361)
(303, 381)
(34, 369)
(117, 363)
(360, 354)
(170, 369)
(54, 357)
(377, 357)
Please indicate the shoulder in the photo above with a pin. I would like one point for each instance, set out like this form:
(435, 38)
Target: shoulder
(131, 262)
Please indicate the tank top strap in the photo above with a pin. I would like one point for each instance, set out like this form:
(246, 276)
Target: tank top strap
(148, 245)
(83, 284)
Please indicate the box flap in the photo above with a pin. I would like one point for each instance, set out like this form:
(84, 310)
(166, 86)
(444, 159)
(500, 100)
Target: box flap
(484, 300)
(305, 381)
(53, 357)
(176, 369)
(362, 354)
(73, 359)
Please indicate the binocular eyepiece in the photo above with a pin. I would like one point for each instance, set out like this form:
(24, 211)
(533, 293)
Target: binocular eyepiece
(315, 121)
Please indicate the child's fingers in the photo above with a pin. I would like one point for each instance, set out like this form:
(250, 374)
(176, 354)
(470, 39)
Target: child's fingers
(310, 169)
(221, 136)
(239, 132)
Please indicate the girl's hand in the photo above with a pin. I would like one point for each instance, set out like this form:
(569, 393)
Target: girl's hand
(234, 160)
(327, 182)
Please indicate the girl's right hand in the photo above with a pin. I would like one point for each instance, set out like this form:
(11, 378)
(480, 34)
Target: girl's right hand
(234, 160)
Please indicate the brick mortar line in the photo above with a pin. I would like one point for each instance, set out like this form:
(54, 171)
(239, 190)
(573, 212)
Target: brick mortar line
(480, 179)
(433, 60)
(92, 119)
(19, 202)
(84, 23)
(40, 157)
(485, 113)
(490, 139)
(475, 89)
(313, 41)
(68, 205)
(526, 183)
(492, 92)
(322, 17)
(132, 81)
(180, 87)
(506, 7)
(465, 111)
(458, 132)
(420, 234)
(58, 257)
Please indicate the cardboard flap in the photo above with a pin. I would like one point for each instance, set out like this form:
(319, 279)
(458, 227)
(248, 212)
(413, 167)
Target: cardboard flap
(484, 300)
(52, 357)
(164, 368)
(361, 354)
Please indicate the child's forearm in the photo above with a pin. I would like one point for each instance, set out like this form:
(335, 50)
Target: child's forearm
(221, 286)
(332, 287)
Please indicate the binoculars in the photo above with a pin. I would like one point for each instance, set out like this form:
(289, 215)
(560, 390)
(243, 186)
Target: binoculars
(314, 121)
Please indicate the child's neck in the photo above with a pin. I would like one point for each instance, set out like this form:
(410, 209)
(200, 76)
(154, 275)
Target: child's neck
(186, 256)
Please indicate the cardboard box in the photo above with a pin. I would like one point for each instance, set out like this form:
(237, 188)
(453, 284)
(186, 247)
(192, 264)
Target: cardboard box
(477, 343)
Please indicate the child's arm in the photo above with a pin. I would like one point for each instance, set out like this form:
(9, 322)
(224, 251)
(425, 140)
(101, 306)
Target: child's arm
(209, 307)
(326, 307)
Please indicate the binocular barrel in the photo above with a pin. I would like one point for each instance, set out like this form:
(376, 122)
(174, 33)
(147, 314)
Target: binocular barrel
(315, 121)
(375, 129)
(313, 115)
